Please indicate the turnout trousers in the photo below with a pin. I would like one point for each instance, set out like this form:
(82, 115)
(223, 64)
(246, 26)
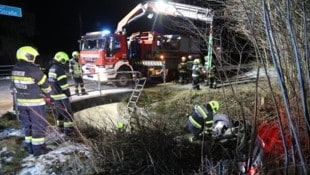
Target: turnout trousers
(64, 115)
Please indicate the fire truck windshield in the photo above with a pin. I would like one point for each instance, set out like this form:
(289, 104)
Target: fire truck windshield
(93, 44)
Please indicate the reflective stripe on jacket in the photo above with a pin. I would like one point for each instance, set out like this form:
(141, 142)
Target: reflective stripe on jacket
(30, 83)
(75, 67)
(196, 70)
(182, 67)
(59, 82)
(201, 117)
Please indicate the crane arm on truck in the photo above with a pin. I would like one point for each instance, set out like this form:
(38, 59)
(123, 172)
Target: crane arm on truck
(166, 8)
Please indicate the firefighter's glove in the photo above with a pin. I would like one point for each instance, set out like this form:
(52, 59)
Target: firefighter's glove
(49, 100)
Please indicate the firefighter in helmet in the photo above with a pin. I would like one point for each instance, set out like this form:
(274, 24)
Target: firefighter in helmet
(182, 69)
(197, 70)
(210, 71)
(76, 71)
(189, 66)
(59, 82)
(202, 117)
(32, 88)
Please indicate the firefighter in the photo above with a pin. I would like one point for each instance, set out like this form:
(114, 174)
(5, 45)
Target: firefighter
(59, 82)
(189, 66)
(210, 79)
(197, 70)
(32, 88)
(202, 117)
(76, 71)
(182, 69)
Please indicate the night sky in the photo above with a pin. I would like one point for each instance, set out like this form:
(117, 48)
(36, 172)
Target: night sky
(60, 23)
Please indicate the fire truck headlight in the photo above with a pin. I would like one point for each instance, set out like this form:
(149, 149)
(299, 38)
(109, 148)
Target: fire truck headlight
(162, 57)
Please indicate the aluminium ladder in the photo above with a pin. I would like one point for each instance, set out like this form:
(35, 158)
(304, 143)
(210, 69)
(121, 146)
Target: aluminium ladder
(132, 103)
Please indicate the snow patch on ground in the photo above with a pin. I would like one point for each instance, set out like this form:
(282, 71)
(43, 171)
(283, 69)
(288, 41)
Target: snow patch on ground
(65, 157)
(47, 163)
(262, 73)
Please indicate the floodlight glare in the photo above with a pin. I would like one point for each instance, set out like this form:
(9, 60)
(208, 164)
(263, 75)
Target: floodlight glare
(164, 7)
(105, 32)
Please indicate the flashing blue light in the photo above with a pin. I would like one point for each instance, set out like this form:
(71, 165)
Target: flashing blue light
(106, 32)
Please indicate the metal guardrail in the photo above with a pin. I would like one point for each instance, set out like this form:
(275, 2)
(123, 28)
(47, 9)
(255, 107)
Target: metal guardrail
(5, 70)
(98, 83)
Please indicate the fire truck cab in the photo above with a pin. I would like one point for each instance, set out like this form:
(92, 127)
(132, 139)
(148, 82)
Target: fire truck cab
(103, 57)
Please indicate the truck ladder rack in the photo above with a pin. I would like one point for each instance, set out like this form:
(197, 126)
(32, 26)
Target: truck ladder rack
(135, 95)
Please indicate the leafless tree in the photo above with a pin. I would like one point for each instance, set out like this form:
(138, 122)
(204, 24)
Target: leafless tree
(271, 33)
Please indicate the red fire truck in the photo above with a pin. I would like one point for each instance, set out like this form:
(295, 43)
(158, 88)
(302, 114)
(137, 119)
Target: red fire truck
(106, 57)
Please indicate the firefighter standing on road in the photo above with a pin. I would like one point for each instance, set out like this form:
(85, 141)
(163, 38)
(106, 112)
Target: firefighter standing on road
(196, 73)
(182, 69)
(76, 71)
(32, 88)
(59, 82)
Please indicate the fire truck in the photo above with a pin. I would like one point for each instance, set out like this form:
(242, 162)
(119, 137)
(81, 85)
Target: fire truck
(120, 58)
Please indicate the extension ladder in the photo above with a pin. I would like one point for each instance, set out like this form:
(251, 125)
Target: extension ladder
(132, 103)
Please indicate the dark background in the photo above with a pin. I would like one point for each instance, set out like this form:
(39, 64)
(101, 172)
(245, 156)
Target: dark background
(57, 25)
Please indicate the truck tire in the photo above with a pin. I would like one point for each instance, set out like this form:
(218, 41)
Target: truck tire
(122, 80)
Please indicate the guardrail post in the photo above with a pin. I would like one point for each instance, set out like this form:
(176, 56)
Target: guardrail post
(99, 84)
(164, 71)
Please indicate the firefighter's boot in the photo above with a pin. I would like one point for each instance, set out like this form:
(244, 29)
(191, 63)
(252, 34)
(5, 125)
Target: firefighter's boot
(40, 149)
(69, 131)
(28, 147)
(77, 92)
(196, 86)
(60, 125)
(84, 92)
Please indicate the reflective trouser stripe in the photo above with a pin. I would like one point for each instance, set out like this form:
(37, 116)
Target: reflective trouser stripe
(59, 123)
(38, 141)
(68, 124)
(28, 139)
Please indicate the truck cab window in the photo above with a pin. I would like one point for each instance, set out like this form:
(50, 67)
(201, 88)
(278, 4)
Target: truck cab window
(117, 43)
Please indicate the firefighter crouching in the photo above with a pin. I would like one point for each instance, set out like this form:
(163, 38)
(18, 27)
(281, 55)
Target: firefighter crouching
(61, 92)
(32, 88)
(202, 117)
(197, 71)
(76, 71)
(182, 69)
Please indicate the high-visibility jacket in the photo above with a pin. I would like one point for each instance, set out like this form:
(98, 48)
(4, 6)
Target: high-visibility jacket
(182, 67)
(202, 117)
(59, 81)
(30, 83)
(75, 67)
(197, 70)
(189, 65)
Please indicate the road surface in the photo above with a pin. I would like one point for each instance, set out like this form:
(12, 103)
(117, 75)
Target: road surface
(6, 98)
